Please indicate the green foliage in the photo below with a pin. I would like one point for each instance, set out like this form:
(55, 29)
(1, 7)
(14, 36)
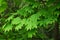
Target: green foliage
(3, 5)
(29, 16)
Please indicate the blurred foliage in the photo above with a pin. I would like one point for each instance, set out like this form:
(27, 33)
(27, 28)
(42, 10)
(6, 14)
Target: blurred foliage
(28, 19)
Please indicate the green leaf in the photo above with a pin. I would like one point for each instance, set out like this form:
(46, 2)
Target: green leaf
(11, 17)
(16, 20)
(1, 2)
(31, 22)
(3, 5)
(22, 12)
(7, 27)
(31, 33)
(19, 26)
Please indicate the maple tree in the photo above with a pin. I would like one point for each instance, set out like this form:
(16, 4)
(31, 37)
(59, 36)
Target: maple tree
(24, 19)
